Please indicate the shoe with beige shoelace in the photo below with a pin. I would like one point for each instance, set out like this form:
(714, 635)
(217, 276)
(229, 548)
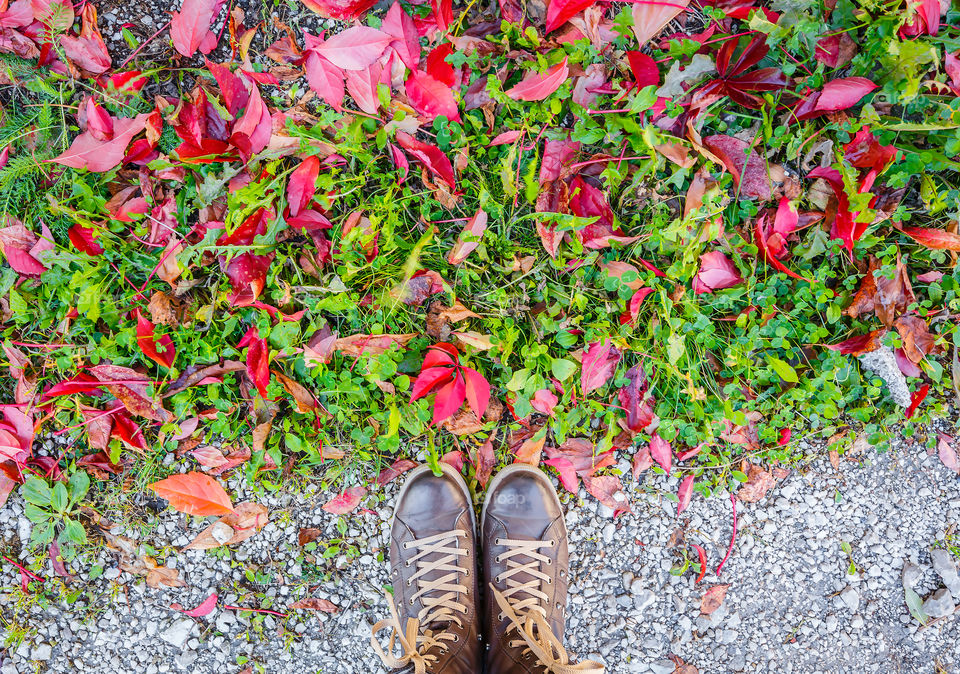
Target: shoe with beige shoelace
(433, 623)
(525, 570)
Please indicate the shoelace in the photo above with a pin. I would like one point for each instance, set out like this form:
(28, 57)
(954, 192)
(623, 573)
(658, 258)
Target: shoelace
(527, 614)
(439, 599)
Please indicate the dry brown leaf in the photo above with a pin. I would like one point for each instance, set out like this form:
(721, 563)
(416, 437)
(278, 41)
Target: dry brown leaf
(474, 339)
(308, 535)
(163, 309)
(834, 456)
(529, 452)
(464, 422)
(713, 598)
(231, 529)
(758, 484)
(370, 345)
(136, 564)
(315, 604)
(303, 399)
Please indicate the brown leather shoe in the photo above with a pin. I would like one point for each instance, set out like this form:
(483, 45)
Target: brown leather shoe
(433, 565)
(525, 567)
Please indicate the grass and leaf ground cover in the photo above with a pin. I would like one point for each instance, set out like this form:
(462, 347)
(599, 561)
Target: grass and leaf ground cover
(566, 235)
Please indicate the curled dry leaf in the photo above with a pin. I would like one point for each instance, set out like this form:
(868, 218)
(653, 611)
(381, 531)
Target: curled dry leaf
(238, 526)
(315, 604)
(758, 484)
(713, 598)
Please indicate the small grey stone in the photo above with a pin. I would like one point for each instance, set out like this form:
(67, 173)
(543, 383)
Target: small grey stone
(850, 598)
(177, 634)
(662, 667)
(41, 652)
(946, 567)
(911, 574)
(939, 604)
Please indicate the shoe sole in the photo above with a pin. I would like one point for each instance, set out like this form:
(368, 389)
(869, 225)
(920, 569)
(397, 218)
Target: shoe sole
(536, 473)
(447, 470)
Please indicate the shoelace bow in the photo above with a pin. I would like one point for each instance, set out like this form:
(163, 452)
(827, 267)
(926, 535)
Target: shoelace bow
(439, 599)
(527, 615)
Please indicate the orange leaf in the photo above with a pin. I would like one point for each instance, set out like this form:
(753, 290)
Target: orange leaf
(195, 494)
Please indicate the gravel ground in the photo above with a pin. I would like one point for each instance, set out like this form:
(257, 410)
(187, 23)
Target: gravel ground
(792, 606)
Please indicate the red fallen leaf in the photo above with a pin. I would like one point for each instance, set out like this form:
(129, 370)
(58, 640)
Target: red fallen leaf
(345, 502)
(190, 27)
(23, 249)
(713, 599)
(716, 273)
(399, 467)
(469, 238)
(453, 458)
(835, 51)
(918, 341)
(325, 79)
(609, 491)
(56, 561)
(865, 151)
(536, 86)
(194, 493)
(544, 402)
(641, 461)
(247, 273)
(568, 475)
(685, 493)
(599, 363)
(84, 240)
(56, 14)
(258, 359)
(644, 69)
(924, 18)
(315, 603)
(530, 450)
(355, 48)
(439, 69)
(661, 452)
(843, 93)
(362, 85)
(98, 156)
(946, 452)
(442, 13)
(148, 342)
(486, 460)
(561, 11)
(558, 156)
(734, 80)
(405, 38)
(916, 398)
(636, 404)
(860, 344)
(580, 452)
(749, 171)
(251, 133)
(702, 560)
(343, 10)
(302, 184)
(651, 16)
(87, 51)
(431, 97)
(205, 608)
(771, 239)
(632, 312)
(430, 156)
(935, 239)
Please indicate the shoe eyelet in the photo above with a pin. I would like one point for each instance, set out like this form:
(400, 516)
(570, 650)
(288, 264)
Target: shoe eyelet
(497, 559)
(497, 542)
(549, 581)
(549, 562)
(456, 638)
(551, 543)
(499, 617)
(562, 573)
(409, 583)
(411, 602)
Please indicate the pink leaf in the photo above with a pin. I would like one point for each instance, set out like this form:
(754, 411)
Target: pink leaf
(469, 238)
(325, 79)
(346, 502)
(568, 474)
(397, 468)
(843, 93)
(430, 97)
(948, 455)
(405, 39)
(99, 156)
(537, 86)
(661, 452)
(685, 493)
(599, 362)
(190, 26)
(355, 48)
(209, 457)
(716, 273)
(641, 461)
(544, 401)
(203, 609)
(609, 491)
(746, 164)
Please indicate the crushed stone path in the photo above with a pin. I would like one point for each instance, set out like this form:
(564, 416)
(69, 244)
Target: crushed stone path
(792, 605)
